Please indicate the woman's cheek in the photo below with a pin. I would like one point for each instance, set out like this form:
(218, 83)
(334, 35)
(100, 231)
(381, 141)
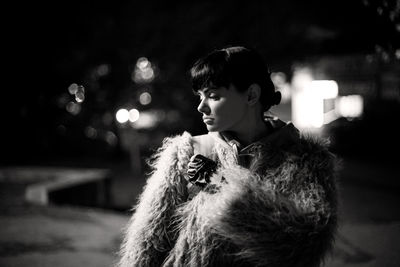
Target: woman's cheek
(218, 105)
(214, 107)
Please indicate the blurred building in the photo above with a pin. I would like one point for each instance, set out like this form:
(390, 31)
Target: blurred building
(352, 99)
(326, 88)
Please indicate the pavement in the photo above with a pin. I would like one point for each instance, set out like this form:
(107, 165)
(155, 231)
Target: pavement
(369, 217)
(59, 236)
(66, 236)
(49, 235)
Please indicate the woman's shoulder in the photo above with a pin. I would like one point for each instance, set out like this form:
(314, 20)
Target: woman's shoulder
(203, 144)
(315, 151)
(185, 139)
(190, 144)
(175, 148)
(314, 144)
(177, 141)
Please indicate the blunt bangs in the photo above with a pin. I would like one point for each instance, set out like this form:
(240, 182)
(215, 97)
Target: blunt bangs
(238, 66)
(210, 71)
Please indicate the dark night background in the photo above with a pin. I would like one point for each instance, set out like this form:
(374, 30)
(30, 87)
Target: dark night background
(46, 134)
(54, 44)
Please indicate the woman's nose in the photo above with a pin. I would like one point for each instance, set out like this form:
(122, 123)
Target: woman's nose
(203, 107)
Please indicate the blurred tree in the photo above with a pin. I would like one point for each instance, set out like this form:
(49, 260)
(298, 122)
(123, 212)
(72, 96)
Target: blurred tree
(386, 15)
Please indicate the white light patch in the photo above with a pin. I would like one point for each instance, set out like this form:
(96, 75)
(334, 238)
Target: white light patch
(350, 106)
(122, 115)
(308, 99)
(324, 89)
(134, 115)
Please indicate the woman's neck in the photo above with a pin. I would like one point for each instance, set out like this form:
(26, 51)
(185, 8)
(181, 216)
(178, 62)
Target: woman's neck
(251, 132)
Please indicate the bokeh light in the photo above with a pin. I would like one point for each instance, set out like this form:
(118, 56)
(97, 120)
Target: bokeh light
(73, 88)
(144, 71)
(134, 115)
(73, 108)
(111, 138)
(80, 94)
(350, 106)
(79, 97)
(281, 84)
(145, 98)
(147, 119)
(102, 70)
(143, 63)
(122, 115)
(90, 132)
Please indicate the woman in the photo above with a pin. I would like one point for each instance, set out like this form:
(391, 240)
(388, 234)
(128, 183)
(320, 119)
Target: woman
(251, 192)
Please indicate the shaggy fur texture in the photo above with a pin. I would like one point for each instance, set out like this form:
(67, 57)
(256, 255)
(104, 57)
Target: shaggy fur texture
(281, 212)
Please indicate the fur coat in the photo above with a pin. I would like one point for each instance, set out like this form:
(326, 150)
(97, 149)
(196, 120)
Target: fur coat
(279, 212)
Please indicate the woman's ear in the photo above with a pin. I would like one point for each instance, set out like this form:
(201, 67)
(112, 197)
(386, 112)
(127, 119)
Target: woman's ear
(253, 94)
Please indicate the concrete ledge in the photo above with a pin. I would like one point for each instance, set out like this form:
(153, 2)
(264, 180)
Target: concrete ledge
(41, 181)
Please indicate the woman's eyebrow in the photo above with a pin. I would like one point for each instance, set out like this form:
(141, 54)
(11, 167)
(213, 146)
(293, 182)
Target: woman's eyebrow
(204, 91)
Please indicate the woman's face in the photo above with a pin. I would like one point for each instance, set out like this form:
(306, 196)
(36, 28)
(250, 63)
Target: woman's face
(223, 109)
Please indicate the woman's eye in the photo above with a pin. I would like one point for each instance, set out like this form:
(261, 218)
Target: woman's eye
(213, 96)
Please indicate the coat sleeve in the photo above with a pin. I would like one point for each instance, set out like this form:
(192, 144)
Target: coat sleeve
(286, 219)
(148, 236)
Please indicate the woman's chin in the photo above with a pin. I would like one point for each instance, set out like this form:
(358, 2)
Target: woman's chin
(212, 128)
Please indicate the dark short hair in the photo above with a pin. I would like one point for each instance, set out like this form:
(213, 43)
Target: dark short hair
(235, 65)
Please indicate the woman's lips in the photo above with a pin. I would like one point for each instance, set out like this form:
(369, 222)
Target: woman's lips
(208, 120)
